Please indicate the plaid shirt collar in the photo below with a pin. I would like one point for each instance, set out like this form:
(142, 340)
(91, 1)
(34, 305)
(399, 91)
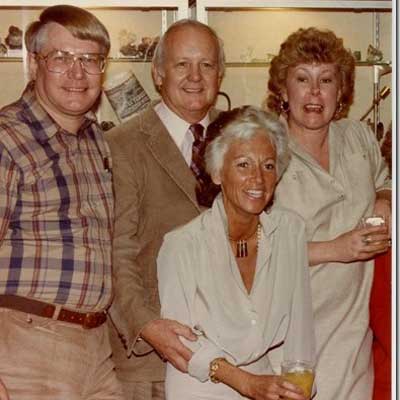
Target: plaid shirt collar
(45, 127)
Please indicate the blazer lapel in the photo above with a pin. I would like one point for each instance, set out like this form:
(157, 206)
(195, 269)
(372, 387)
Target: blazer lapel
(167, 154)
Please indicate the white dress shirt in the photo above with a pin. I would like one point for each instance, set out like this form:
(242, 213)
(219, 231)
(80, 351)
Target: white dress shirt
(179, 129)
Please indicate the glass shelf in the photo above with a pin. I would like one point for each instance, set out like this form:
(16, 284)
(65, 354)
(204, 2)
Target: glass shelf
(231, 64)
(110, 59)
(259, 64)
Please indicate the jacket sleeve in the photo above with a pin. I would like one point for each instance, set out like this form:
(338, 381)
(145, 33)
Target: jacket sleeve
(130, 311)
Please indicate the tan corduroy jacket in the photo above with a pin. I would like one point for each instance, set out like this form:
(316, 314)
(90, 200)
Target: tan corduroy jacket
(154, 193)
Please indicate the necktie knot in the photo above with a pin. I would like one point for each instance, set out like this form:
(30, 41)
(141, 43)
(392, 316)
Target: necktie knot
(197, 131)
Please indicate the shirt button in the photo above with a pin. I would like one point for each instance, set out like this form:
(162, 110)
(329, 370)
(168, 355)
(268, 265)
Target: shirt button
(253, 322)
(341, 197)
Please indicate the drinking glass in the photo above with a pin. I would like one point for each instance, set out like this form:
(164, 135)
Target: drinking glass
(300, 373)
(372, 220)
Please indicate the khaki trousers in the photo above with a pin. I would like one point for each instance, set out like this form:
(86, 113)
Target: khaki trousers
(44, 359)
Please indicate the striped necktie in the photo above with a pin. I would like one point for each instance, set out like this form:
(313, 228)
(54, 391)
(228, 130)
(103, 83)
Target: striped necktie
(197, 149)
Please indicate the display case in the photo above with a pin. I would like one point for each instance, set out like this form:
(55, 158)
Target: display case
(252, 31)
(133, 26)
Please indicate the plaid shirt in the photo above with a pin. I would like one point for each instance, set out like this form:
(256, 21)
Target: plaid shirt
(56, 208)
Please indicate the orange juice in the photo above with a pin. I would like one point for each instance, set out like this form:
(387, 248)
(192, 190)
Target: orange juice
(303, 379)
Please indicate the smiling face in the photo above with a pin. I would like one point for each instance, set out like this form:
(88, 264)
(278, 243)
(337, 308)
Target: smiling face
(248, 177)
(190, 77)
(68, 96)
(312, 91)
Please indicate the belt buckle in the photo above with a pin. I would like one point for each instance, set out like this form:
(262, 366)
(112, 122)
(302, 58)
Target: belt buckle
(93, 320)
(89, 321)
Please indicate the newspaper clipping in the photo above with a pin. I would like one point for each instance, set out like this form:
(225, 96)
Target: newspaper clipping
(126, 95)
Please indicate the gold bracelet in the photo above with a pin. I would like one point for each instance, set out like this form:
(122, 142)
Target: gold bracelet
(214, 365)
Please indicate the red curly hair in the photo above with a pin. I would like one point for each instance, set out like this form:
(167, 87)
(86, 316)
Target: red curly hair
(308, 46)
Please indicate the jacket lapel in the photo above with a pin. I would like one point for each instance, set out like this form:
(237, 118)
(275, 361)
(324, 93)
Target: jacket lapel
(166, 153)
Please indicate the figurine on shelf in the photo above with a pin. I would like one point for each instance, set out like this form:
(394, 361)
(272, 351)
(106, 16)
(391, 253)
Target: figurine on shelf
(126, 37)
(3, 49)
(247, 55)
(129, 50)
(357, 55)
(127, 41)
(143, 51)
(14, 38)
(147, 46)
(374, 54)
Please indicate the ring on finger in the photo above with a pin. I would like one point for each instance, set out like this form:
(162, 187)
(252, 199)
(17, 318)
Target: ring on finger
(389, 242)
(367, 240)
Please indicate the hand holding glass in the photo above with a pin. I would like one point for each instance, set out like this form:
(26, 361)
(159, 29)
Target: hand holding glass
(373, 221)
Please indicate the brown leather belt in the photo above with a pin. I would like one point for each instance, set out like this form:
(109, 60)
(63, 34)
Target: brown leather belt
(46, 310)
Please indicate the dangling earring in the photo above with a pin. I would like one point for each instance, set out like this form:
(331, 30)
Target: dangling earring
(339, 109)
(284, 106)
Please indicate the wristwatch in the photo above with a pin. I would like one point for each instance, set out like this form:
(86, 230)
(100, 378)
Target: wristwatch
(214, 365)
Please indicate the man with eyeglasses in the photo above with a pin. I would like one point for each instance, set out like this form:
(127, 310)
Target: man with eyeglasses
(56, 218)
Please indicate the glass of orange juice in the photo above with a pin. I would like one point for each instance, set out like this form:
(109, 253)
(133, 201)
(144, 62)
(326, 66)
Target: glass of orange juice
(300, 373)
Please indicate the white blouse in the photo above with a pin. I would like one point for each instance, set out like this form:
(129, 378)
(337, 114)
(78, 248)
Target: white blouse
(200, 285)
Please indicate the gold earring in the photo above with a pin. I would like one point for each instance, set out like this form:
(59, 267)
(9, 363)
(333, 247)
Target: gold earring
(339, 109)
(284, 106)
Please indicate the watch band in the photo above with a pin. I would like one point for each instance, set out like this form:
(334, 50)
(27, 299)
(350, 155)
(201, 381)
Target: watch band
(214, 365)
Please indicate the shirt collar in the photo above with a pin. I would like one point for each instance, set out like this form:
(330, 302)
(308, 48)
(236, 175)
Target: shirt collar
(176, 126)
(336, 144)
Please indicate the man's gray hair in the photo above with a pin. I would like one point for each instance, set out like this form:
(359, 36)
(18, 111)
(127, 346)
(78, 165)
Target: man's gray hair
(241, 124)
(159, 52)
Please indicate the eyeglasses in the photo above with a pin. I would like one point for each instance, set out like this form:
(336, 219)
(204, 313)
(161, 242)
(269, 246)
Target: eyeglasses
(60, 62)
